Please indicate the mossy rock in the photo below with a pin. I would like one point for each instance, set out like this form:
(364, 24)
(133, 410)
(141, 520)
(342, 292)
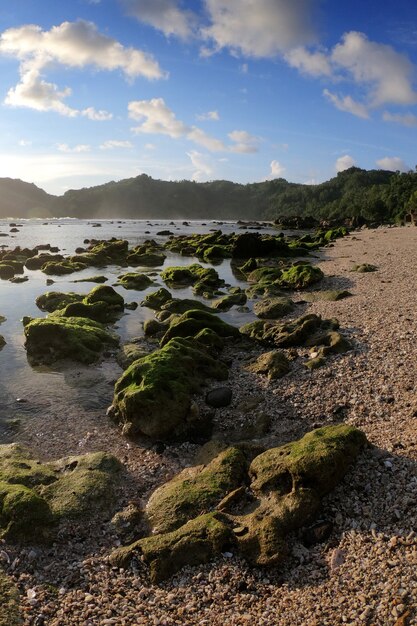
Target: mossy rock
(153, 396)
(35, 496)
(98, 312)
(309, 330)
(9, 602)
(226, 302)
(329, 342)
(146, 259)
(37, 262)
(105, 252)
(178, 306)
(274, 364)
(104, 293)
(279, 493)
(210, 339)
(273, 308)
(198, 541)
(129, 353)
(195, 490)
(204, 280)
(153, 327)
(7, 271)
(300, 276)
(53, 300)
(85, 483)
(192, 322)
(92, 279)
(61, 268)
(364, 268)
(76, 338)
(2, 342)
(156, 299)
(332, 295)
(134, 280)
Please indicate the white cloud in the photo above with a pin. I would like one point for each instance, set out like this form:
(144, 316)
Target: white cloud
(259, 29)
(277, 170)
(150, 146)
(204, 170)
(64, 147)
(71, 44)
(244, 142)
(312, 63)
(406, 119)
(24, 143)
(348, 104)
(387, 73)
(97, 116)
(202, 139)
(244, 68)
(344, 163)
(111, 144)
(209, 116)
(393, 164)
(165, 15)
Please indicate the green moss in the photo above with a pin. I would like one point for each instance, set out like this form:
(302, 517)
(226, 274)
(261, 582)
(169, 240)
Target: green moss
(112, 251)
(60, 268)
(192, 322)
(156, 299)
(329, 295)
(210, 339)
(24, 515)
(300, 276)
(2, 342)
(17, 468)
(146, 259)
(134, 280)
(195, 490)
(104, 293)
(153, 396)
(92, 279)
(274, 364)
(9, 602)
(6, 271)
(204, 280)
(53, 300)
(198, 541)
(178, 306)
(226, 302)
(85, 483)
(77, 338)
(153, 327)
(273, 308)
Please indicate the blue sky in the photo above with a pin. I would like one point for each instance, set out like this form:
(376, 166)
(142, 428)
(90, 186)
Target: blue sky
(243, 90)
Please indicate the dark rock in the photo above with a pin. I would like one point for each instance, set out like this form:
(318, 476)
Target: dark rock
(219, 397)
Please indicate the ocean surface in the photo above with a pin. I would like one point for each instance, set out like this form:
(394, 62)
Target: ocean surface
(58, 392)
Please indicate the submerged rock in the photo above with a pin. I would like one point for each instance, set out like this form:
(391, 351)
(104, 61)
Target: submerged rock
(154, 395)
(232, 504)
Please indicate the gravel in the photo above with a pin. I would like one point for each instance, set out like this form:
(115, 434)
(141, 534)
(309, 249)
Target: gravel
(364, 573)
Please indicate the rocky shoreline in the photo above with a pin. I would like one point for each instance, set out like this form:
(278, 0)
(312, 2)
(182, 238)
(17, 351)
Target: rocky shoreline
(363, 572)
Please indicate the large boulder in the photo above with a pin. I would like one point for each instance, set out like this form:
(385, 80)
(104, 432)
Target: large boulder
(76, 338)
(35, 496)
(190, 323)
(248, 507)
(154, 395)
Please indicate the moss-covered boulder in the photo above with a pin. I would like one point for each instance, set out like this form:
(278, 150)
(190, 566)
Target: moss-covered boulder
(273, 364)
(92, 279)
(225, 303)
(9, 602)
(330, 295)
(2, 342)
(154, 395)
(279, 493)
(135, 280)
(205, 280)
(149, 258)
(36, 262)
(156, 299)
(76, 338)
(54, 300)
(104, 252)
(35, 496)
(200, 540)
(195, 490)
(61, 268)
(273, 308)
(130, 352)
(179, 306)
(300, 276)
(192, 322)
(104, 293)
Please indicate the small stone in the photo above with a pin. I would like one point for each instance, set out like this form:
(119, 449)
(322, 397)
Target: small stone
(219, 397)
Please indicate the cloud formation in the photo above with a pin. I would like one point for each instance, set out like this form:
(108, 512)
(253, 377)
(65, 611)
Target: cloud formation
(344, 163)
(64, 147)
(71, 44)
(406, 119)
(156, 117)
(209, 116)
(112, 144)
(204, 170)
(393, 164)
(346, 103)
(165, 15)
(277, 170)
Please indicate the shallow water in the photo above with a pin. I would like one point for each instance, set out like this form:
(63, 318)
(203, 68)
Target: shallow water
(52, 395)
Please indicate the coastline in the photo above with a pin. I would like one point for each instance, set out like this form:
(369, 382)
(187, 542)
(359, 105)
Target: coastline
(365, 572)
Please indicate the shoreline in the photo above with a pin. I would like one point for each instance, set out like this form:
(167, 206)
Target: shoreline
(365, 572)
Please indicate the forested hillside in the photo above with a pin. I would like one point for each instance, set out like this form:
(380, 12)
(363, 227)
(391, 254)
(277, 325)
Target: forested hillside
(375, 195)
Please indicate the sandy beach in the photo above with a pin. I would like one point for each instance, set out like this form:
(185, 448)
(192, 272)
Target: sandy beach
(365, 573)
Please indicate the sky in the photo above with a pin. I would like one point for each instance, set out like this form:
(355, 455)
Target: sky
(241, 90)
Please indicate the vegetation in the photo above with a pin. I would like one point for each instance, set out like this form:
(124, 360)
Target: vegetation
(375, 196)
